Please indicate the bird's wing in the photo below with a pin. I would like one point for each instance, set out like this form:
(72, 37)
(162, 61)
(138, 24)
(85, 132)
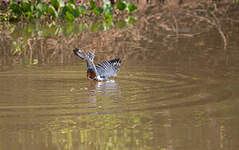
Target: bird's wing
(108, 68)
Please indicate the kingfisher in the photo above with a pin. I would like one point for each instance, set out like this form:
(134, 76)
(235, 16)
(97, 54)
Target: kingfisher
(101, 72)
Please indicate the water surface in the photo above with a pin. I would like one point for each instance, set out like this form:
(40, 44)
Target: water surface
(177, 93)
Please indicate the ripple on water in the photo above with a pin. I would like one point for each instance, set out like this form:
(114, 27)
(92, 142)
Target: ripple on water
(70, 93)
(165, 89)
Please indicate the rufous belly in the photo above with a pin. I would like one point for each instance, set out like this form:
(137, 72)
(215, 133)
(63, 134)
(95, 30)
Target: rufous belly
(91, 74)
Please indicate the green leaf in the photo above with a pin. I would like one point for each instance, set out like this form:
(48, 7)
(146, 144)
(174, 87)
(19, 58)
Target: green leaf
(26, 6)
(92, 4)
(37, 2)
(69, 17)
(70, 8)
(29, 14)
(16, 8)
(52, 11)
(98, 11)
(120, 5)
(33, 8)
(131, 8)
(40, 7)
(72, 2)
(109, 10)
(108, 17)
(38, 14)
(55, 4)
(82, 9)
(63, 11)
(75, 13)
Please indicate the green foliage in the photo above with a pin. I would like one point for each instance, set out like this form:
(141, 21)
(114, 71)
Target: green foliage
(16, 8)
(70, 17)
(131, 20)
(92, 5)
(108, 9)
(28, 31)
(22, 33)
(28, 10)
(72, 2)
(26, 6)
(130, 7)
(82, 9)
(55, 4)
(41, 9)
(52, 11)
(98, 11)
(121, 5)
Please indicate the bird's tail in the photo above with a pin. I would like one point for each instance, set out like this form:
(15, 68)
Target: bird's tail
(85, 56)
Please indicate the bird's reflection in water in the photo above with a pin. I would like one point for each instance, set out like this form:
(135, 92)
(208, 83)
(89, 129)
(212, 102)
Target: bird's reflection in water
(103, 92)
(107, 88)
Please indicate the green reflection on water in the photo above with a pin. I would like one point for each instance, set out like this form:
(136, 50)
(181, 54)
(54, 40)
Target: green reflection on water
(23, 33)
(133, 130)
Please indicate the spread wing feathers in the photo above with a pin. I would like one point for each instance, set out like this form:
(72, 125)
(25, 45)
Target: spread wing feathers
(108, 69)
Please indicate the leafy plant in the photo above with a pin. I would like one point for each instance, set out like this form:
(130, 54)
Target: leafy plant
(92, 4)
(82, 9)
(58, 9)
(69, 17)
(130, 7)
(121, 5)
(52, 11)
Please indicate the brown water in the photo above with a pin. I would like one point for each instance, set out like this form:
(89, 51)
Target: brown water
(170, 94)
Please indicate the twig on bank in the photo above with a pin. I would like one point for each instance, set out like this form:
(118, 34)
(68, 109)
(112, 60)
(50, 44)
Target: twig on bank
(218, 26)
(176, 25)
